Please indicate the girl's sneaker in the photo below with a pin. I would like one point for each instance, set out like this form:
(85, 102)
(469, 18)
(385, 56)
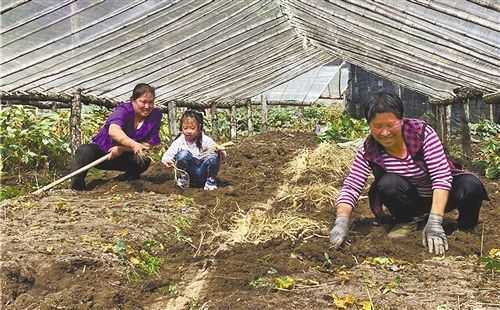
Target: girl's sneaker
(210, 184)
(182, 181)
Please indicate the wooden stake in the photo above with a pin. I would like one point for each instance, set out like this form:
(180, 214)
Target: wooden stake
(172, 121)
(249, 117)
(263, 100)
(213, 117)
(464, 128)
(75, 121)
(233, 123)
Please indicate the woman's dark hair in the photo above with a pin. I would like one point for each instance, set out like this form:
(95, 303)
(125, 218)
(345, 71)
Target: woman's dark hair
(198, 116)
(383, 102)
(142, 88)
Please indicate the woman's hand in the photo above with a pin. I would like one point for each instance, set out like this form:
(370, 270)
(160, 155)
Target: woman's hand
(339, 231)
(115, 151)
(139, 148)
(433, 235)
(341, 228)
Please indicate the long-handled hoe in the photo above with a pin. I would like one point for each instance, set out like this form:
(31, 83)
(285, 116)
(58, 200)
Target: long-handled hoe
(64, 178)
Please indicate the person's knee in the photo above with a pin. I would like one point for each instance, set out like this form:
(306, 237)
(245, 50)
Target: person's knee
(183, 155)
(144, 165)
(85, 154)
(390, 184)
(213, 160)
(468, 187)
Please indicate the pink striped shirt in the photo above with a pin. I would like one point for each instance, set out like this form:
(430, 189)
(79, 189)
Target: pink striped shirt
(438, 175)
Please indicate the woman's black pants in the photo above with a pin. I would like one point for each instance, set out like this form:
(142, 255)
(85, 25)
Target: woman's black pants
(87, 153)
(404, 203)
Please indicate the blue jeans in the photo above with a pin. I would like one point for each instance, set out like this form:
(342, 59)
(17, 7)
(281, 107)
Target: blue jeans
(199, 169)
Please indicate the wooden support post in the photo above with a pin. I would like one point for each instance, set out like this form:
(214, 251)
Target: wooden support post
(301, 110)
(172, 121)
(213, 117)
(496, 107)
(444, 121)
(249, 117)
(75, 121)
(263, 100)
(440, 116)
(464, 122)
(491, 108)
(233, 123)
(436, 123)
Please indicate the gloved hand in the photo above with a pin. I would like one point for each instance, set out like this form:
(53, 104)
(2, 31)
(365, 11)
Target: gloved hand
(433, 235)
(339, 231)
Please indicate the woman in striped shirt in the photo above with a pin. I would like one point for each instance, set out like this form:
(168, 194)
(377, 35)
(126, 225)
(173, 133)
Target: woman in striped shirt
(413, 176)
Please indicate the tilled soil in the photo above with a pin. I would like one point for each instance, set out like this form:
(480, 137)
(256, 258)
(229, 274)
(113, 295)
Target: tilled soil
(90, 250)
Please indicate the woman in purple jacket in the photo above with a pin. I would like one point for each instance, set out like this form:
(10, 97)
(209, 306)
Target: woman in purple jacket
(132, 128)
(413, 176)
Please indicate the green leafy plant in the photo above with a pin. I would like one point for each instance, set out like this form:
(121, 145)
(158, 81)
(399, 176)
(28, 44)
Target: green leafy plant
(285, 282)
(32, 139)
(169, 290)
(492, 261)
(259, 282)
(344, 128)
(485, 129)
(489, 157)
(7, 192)
(148, 264)
(142, 262)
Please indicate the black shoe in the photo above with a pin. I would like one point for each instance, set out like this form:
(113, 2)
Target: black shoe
(128, 177)
(78, 185)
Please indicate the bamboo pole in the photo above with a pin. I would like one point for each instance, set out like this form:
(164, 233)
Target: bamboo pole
(75, 121)
(6, 8)
(460, 14)
(263, 101)
(490, 4)
(249, 117)
(233, 123)
(213, 117)
(172, 121)
(38, 15)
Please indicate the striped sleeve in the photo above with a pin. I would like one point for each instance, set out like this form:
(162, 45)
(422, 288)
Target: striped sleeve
(436, 161)
(355, 181)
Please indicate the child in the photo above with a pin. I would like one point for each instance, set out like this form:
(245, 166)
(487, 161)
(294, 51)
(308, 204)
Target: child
(195, 153)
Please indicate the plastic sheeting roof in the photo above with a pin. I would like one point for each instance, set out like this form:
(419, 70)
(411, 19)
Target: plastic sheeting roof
(432, 46)
(203, 50)
(189, 50)
(305, 88)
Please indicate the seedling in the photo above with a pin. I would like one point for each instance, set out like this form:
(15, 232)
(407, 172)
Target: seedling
(285, 283)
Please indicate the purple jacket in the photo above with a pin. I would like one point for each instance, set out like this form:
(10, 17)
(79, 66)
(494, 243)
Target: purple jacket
(123, 115)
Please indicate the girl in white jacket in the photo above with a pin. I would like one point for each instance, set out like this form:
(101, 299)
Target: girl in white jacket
(195, 153)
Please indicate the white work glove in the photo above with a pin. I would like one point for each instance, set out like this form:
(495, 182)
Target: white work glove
(339, 231)
(433, 235)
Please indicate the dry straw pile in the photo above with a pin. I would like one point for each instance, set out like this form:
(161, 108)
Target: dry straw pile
(314, 178)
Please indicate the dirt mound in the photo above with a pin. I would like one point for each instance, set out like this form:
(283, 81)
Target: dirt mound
(147, 244)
